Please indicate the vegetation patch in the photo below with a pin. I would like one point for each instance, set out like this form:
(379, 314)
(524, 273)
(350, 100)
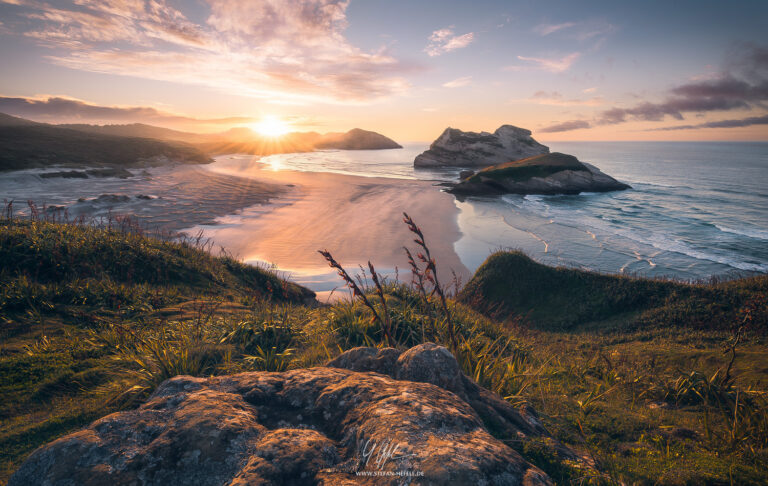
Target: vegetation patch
(96, 318)
(511, 284)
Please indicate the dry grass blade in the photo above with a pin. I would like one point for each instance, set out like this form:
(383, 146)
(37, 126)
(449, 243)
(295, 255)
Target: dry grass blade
(430, 274)
(357, 292)
(380, 292)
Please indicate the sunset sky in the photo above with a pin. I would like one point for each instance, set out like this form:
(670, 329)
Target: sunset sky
(600, 70)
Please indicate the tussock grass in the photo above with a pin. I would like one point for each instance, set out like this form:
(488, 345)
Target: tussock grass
(93, 319)
(512, 284)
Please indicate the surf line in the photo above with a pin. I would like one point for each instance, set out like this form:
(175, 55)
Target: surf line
(546, 245)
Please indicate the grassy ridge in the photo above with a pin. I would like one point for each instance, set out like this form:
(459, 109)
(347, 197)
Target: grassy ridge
(81, 307)
(94, 319)
(511, 283)
(64, 262)
(39, 145)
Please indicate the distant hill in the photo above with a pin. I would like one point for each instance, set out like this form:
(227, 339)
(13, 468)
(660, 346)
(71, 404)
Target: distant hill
(13, 121)
(25, 144)
(247, 142)
(356, 139)
(139, 130)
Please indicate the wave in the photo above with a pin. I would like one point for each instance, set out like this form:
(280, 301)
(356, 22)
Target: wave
(634, 183)
(748, 232)
(677, 246)
(673, 245)
(611, 225)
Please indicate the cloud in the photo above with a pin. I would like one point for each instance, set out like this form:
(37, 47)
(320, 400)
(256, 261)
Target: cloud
(580, 31)
(594, 30)
(546, 29)
(742, 122)
(60, 110)
(557, 99)
(722, 94)
(745, 87)
(553, 65)
(458, 83)
(444, 40)
(566, 126)
(277, 50)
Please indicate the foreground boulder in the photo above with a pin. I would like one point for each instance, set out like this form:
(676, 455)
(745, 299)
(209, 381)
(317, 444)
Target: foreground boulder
(410, 418)
(455, 148)
(553, 173)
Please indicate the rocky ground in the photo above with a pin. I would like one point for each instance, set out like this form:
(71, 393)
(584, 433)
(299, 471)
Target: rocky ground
(371, 416)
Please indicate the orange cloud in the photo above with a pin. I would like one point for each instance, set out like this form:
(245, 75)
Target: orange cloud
(458, 83)
(279, 50)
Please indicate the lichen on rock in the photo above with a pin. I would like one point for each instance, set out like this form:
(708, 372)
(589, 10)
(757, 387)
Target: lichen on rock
(370, 417)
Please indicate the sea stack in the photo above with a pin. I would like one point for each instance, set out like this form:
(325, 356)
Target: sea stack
(456, 148)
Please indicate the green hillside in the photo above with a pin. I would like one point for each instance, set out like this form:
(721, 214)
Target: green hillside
(511, 284)
(26, 145)
(92, 320)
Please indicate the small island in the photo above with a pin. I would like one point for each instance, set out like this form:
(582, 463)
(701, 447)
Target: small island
(553, 173)
(456, 148)
(511, 162)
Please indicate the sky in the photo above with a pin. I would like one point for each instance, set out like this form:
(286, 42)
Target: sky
(566, 70)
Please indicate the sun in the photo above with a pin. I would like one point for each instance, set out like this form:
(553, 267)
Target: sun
(271, 126)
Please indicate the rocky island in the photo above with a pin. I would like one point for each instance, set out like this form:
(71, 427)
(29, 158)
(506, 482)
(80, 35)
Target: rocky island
(455, 148)
(553, 173)
(356, 139)
(512, 162)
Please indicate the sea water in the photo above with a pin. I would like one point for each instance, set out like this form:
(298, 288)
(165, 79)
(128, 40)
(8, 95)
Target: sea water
(695, 210)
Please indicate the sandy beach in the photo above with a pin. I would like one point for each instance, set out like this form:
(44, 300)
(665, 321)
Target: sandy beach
(356, 218)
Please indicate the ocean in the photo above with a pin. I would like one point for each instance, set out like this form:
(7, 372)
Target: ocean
(695, 210)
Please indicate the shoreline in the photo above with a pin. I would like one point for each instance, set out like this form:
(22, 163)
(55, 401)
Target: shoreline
(358, 219)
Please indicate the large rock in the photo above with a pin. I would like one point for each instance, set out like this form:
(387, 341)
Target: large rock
(455, 148)
(554, 173)
(408, 418)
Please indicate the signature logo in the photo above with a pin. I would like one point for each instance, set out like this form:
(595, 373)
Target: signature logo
(381, 453)
(372, 457)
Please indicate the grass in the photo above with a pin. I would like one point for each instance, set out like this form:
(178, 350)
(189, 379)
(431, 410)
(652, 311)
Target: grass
(631, 373)
(512, 284)
(537, 166)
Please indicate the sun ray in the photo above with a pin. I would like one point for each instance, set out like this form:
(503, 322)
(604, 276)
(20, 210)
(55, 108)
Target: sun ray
(271, 126)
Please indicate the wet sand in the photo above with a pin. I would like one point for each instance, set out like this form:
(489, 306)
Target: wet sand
(356, 218)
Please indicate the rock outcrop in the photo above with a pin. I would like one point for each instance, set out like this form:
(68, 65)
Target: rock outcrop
(553, 173)
(356, 139)
(455, 148)
(369, 417)
(85, 174)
